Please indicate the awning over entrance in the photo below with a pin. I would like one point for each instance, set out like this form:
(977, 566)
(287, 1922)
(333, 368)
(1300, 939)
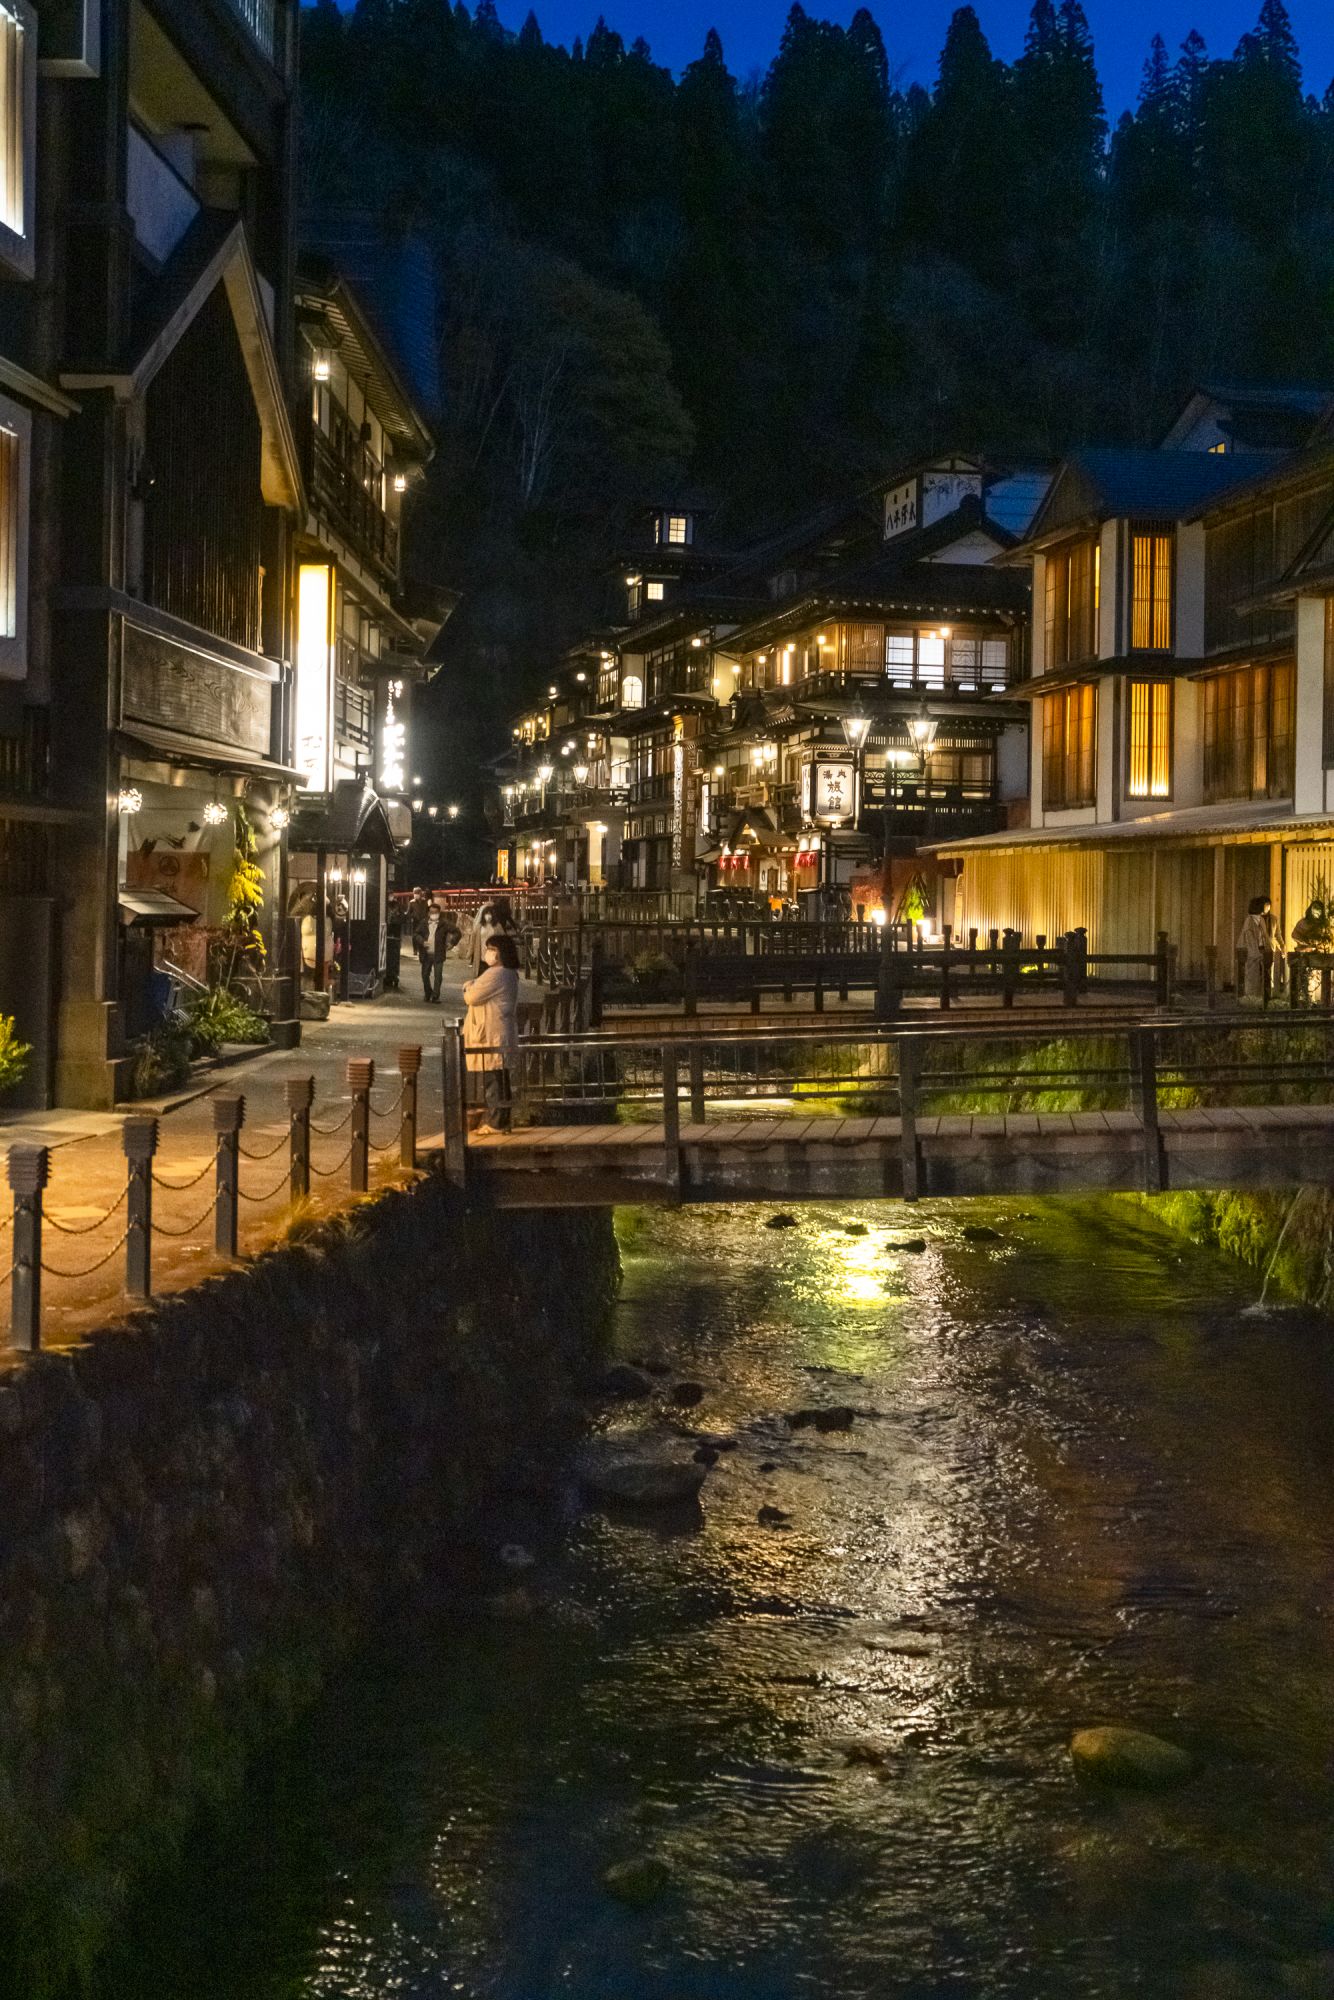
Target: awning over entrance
(166, 747)
(351, 820)
(1193, 826)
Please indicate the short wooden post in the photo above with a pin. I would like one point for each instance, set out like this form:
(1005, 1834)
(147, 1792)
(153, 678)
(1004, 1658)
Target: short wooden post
(228, 1118)
(887, 994)
(1067, 960)
(1009, 968)
(139, 1137)
(696, 1083)
(409, 1067)
(453, 1078)
(360, 1077)
(1162, 972)
(300, 1094)
(910, 1072)
(1211, 976)
(29, 1171)
(946, 950)
(1144, 1071)
(671, 1121)
(596, 974)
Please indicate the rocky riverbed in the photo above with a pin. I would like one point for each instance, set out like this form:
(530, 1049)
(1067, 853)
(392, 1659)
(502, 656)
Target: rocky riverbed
(938, 1606)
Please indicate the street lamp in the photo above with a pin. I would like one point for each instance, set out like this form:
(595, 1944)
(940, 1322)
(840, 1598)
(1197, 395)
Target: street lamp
(453, 811)
(856, 729)
(922, 728)
(580, 774)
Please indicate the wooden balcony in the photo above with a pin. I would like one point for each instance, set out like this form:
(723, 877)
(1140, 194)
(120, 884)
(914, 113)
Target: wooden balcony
(346, 495)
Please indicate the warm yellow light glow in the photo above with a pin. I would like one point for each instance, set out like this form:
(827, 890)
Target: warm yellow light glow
(314, 675)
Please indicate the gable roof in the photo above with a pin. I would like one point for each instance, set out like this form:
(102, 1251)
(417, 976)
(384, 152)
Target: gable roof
(1108, 485)
(1257, 416)
(325, 291)
(214, 251)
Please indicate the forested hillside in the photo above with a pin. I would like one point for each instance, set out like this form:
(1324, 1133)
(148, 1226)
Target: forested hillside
(772, 287)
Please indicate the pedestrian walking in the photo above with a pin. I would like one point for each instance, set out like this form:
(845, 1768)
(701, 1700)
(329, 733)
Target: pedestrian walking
(1258, 941)
(490, 1034)
(443, 934)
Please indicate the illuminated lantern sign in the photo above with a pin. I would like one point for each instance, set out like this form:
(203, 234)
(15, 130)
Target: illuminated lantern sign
(314, 676)
(830, 790)
(393, 744)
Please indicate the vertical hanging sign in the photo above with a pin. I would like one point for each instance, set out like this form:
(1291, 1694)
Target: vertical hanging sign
(314, 676)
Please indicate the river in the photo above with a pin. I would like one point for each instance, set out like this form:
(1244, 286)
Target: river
(1084, 1485)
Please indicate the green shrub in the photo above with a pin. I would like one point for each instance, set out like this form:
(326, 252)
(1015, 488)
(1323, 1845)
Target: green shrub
(218, 1016)
(14, 1055)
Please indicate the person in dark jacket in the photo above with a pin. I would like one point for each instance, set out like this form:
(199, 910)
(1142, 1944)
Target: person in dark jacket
(443, 934)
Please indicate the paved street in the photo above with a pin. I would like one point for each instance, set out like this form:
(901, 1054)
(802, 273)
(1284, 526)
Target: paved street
(88, 1166)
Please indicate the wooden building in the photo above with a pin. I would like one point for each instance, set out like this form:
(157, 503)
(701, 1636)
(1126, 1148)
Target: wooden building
(1181, 664)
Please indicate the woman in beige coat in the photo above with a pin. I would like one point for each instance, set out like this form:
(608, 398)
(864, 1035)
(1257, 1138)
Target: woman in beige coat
(490, 1032)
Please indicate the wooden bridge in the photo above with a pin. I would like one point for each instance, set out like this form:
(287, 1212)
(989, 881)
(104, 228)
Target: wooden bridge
(1207, 1102)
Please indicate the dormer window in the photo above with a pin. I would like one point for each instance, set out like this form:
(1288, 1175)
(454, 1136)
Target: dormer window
(654, 592)
(675, 531)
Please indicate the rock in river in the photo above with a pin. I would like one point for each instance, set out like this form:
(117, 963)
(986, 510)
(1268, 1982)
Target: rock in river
(774, 1517)
(637, 1882)
(781, 1222)
(913, 1244)
(832, 1417)
(978, 1232)
(624, 1379)
(636, 1480)
(1120, 1756)
(686, 1394)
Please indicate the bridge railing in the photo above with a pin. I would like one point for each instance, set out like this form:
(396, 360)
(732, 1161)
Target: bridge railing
(1198, 1060)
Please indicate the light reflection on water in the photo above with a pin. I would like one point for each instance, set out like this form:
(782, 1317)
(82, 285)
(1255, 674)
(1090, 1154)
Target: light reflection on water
(1081, 1487)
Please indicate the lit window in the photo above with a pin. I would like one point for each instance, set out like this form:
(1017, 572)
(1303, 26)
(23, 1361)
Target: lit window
(632, 692)
(899, 650)
(1221, 446)
(995, 657)
(15, 457)
(1149, 775)
(18, 106)
(930, 650)
(678, 529)
(1151, 593)
(654, 592)
(1069, 747)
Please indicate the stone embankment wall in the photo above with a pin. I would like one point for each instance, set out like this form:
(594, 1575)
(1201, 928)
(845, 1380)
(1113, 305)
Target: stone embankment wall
(201, 1511)
(1288, 1238)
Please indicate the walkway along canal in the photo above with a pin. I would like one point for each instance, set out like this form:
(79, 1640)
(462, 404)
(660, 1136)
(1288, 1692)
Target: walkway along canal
(827, 1717)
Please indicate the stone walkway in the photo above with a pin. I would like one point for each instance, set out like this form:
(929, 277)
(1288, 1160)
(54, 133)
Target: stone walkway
(88, 1165)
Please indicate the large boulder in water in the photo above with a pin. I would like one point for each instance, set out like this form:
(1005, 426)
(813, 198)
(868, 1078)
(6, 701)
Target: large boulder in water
(1118, 1756)
(636, 1479)
(637, 1882)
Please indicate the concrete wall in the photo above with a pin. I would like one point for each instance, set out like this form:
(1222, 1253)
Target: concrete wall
(201, 1511)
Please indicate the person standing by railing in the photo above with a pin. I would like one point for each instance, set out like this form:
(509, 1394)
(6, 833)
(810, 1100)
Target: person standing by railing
(490, 1033)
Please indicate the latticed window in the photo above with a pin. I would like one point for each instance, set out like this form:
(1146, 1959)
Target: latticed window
(18, 59)
(1248, 733)
(863, 648)
(1151, 592)
(1073, 593)
(1069, 747)
(1149, 773)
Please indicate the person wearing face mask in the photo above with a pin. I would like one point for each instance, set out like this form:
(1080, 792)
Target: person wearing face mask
(490, 1033)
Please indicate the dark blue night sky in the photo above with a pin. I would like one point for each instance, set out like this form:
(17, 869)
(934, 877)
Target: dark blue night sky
(913, 33)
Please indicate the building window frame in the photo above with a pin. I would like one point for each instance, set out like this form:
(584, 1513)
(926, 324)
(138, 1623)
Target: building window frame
(1149, 740)
(15, 505)
(1152, 593)
(1248, 733)
(18, 136)
(1072, 603)
(1070, 748)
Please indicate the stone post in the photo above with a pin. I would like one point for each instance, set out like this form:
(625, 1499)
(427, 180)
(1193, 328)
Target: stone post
(29, 1171)
(139, 1137)
(228, 1118)
(360, 1077)
(409, 1066)
(300, 1093)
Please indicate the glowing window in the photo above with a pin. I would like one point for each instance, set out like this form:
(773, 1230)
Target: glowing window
(1149, 774)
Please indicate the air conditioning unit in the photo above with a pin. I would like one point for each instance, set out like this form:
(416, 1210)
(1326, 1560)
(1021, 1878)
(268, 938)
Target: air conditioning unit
(70, 38)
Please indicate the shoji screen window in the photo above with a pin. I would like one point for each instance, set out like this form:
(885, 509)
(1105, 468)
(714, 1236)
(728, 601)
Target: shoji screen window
(1149, 774)
(15, 457)
(1151, 591)
(18, 118)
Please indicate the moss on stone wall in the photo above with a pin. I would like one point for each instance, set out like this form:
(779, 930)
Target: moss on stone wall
(1287, 1236)
(201, 1510)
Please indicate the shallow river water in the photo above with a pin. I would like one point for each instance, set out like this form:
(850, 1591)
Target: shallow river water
(1086, 1486)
